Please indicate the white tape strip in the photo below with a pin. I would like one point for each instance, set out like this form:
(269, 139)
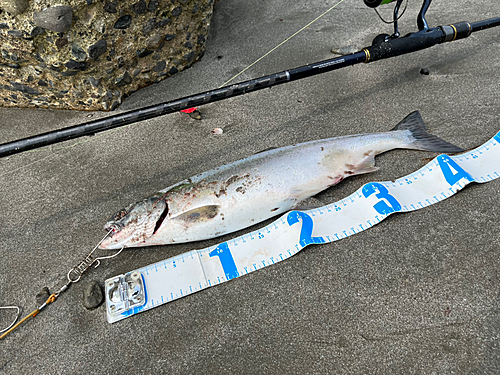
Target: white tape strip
(193, 271)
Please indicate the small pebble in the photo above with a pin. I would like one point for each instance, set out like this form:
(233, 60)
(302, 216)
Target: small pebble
(195, 115)
(153, 4)
(217, 131)
(123, 22)
(97, 49)
(42, 296)
(139, 7)
(92, 295)
(177, 11)
(424, 71)
(14, 7)
(57, 18)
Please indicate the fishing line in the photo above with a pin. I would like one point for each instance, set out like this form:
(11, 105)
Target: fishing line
(15, 319)
(279, 45)
(397, 19)
(27, 165)
(59, 149)
(73, 276)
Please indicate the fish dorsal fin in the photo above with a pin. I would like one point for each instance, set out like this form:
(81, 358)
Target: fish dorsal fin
(203, 213)
(265, 150)
(178, 186)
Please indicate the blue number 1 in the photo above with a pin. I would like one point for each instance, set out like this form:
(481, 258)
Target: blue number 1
(381, 192)
(226, 260)
(447, 164)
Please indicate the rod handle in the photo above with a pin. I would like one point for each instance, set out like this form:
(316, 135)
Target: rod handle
(407, 44)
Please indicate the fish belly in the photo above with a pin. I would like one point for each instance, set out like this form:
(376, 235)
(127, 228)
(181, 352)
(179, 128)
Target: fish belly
(268, 184)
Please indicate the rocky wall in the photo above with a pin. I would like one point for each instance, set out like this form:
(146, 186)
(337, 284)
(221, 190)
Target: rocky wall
(89, 54)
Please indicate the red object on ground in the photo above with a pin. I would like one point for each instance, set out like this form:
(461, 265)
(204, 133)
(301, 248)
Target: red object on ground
(189, 110)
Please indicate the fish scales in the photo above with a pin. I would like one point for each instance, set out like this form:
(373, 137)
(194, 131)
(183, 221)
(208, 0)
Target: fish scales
(251, 190)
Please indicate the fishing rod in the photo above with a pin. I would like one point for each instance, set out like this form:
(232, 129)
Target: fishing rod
(384, 46)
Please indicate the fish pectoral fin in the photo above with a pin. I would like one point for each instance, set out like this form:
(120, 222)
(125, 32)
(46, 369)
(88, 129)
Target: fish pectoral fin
(199, 214)
(366, 170)
(367, 165)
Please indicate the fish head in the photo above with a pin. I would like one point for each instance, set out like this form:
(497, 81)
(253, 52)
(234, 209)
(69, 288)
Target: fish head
(135, 225)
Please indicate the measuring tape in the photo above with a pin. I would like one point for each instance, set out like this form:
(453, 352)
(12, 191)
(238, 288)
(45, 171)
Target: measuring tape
(179, 276)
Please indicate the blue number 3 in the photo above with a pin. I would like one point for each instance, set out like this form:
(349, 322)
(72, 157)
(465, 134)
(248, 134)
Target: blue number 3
(382, 207)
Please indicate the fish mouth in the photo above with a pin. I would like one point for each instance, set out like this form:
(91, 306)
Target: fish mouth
(111, 243)
(112, 239)
(112, 227)
(128, 233)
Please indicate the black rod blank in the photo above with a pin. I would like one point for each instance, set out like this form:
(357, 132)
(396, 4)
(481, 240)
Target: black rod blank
(486, 24)
(389, 48)
(93, 127)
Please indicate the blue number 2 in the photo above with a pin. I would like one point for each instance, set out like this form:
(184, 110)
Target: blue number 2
(382, 207)
(226, 260)
(307, 227)
(447, 165)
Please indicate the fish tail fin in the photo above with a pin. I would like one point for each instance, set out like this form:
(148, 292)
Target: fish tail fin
(422, 140)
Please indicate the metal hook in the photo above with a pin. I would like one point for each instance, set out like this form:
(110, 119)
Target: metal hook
(98, 260)
(101, 241)
(76, 273)
(15, 320)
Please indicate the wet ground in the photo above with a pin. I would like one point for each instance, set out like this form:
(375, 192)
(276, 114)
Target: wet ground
(418, 293)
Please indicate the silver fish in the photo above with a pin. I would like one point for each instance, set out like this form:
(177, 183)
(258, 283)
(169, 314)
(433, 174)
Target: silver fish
(251, 190)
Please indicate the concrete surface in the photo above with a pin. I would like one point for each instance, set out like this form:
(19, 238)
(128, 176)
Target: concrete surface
(418, 293)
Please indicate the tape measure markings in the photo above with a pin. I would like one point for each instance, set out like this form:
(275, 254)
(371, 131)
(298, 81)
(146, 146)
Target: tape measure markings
(193, 271)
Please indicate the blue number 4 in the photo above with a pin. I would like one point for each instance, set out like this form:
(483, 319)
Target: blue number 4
(452, 172)
(386, 207)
